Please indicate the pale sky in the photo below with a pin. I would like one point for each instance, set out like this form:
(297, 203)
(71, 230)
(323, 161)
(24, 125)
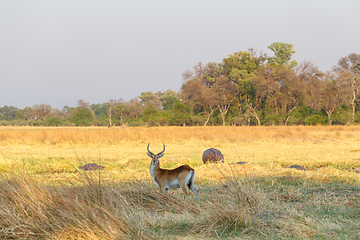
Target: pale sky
(57, 52)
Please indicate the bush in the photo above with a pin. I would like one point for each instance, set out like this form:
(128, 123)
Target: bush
(82, 117)
(181, 114)
(136, 122)
(298, 116)
(273, 119)
(158, 119)
(37, 123)
(342, 117)
(57, 122)
(17, 122)
(293, 121)
(197, 121)
(315, 120)
(102, 121)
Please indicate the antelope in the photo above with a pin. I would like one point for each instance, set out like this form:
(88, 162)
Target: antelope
(175, 178)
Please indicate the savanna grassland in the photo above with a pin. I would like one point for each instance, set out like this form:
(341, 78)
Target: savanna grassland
(44, 195)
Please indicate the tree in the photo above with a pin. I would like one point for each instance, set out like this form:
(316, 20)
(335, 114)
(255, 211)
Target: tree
(331, 95)
(263, 86)
(121, 111)
(348, 69)
(110, 107)
(8, 112)
(58, 113)
(83, 104)
(135, 108)
(42, 111)
(150, 98)
(154, 117)
(200, 96)
(288, 94)
(181, 113)
(167, 99)
(312, 79)
(67, 110)
(240, 67)
(283, 53)
(198, 88)
(29, 114)
(82, 117)
(100, 109)
(224, 95)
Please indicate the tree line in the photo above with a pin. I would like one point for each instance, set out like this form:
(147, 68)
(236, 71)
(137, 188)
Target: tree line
(246, 88)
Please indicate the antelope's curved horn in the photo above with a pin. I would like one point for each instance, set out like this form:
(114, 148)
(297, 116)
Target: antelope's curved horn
(149, 150)
(162, 150)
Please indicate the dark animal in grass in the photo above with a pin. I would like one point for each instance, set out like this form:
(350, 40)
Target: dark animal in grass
(91, 166)
(241, 163)
(298, 167)
(212, 155)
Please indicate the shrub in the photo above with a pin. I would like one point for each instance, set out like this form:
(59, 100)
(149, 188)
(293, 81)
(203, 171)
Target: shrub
(82, 117)
(315, 120)
(273, 119)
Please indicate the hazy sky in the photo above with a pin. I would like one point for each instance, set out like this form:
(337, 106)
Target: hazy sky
(57, 52)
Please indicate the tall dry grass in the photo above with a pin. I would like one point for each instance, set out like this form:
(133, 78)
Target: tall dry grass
(26, 135)
(107, 210)
(91, 211)
(43, 195)
(247, 200)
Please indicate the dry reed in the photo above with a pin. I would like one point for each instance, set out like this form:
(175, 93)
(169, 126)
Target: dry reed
(105, 210)
(90, 211)
(48, 198)
(27, 135)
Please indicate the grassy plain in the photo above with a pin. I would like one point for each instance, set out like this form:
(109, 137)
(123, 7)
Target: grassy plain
(43, 195)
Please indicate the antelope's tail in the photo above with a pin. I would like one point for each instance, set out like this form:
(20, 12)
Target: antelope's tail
(192, 179)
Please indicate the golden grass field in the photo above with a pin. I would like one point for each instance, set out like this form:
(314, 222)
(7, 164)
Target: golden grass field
(45, 196)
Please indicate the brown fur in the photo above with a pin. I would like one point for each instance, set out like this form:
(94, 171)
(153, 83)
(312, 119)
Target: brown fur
(212, 155)
(91, 166)
(169, 178)
(166, 176)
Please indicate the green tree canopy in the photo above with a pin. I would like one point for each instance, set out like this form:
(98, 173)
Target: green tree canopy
(167, 99)
(283, 53)
(82, 117)
(240, 66)
(150, 98)
(181, 113)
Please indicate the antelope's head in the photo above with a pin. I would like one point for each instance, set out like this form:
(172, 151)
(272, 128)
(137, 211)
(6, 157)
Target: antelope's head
(155, 157)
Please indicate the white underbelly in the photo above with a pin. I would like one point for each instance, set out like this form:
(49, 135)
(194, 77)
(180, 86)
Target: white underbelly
(173, 184)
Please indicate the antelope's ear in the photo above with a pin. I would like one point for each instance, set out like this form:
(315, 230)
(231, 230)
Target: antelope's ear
(149, 155)
(161, 155)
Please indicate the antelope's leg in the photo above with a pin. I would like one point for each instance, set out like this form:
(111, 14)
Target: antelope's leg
(192, 187)
(161, 189)
(183, 189)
